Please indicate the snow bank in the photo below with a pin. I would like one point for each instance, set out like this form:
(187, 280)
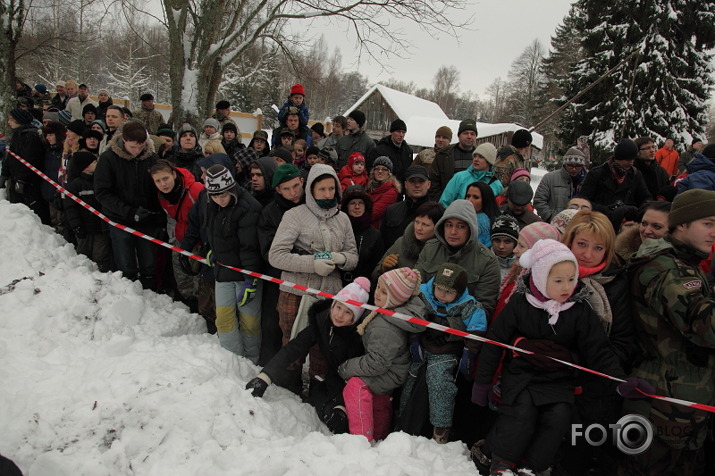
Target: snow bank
(100, 378)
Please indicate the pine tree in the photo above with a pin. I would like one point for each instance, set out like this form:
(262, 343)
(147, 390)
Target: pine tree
(662, 91)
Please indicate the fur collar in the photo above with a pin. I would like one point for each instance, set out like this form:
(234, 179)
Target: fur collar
(117, 146)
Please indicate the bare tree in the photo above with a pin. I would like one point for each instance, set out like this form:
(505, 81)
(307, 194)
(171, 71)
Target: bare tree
(12, 20)
(446, 88)
(526, 85)
(495, 107)
(205, 36)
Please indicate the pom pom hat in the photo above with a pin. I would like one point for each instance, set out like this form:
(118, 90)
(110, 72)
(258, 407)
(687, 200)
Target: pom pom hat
(358, 290)
(401, 284)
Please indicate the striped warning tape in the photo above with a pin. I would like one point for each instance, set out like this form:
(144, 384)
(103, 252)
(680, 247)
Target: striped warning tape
(318, 292)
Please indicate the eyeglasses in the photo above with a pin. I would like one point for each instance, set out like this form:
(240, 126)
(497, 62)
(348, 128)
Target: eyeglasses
(650, 147)
(379, 168)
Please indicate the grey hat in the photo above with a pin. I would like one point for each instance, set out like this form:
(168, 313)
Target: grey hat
(520, 193)
(383, 161)
(212, 123)
(573, 156)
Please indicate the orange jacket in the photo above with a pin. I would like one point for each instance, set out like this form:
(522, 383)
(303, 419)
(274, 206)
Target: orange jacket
(668, 159)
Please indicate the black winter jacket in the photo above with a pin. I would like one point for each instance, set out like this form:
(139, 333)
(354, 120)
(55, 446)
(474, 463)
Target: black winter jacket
(231, 233)
(401, 156)
(397, 217)
(122, 184)
(601, 189)
(83, 187)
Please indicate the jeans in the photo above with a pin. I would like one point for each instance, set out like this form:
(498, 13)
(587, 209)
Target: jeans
(135, 256)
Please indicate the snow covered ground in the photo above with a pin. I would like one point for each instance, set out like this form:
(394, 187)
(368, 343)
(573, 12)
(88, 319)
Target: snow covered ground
(100, 378)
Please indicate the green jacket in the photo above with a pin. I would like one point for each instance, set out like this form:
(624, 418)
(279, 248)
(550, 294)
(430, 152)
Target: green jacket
(482, 267)
(674, 314)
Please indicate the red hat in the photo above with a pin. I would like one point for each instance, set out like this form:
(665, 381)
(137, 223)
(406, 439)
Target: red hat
(297, 89)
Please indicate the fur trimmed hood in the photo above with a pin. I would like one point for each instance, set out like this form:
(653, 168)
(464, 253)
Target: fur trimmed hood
(117, 146)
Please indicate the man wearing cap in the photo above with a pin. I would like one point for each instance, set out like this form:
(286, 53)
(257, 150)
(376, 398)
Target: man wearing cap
(77, 103)
(288, 185)
(558, 187)
(60, 99)
(23, 185)
(616, 182)
(223, 114)
(148, 114)
(514, 156)
(442, 138)
(453, 158)
(395, 148)
(400, 214)
(357, 139)
(674, 314)
(519, 195)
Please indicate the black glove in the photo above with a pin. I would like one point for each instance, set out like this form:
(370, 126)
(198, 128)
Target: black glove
(630, 388)
(543, 349)
(185, 263)
(337, 421)
(3, 179)
(79, 233)
(141, 214)
(257, 386)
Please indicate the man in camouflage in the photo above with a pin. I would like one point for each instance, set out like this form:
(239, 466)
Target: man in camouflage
(675, 317)
(514, 156)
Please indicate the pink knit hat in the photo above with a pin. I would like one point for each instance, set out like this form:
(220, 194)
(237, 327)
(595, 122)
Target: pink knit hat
(358, 290)
(542, 257)
(401, 284)
(538, 231)
(520, 173)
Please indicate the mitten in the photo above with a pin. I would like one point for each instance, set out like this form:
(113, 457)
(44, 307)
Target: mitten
(416, 352)
(246, 295)
(337, 420)
(79, 233)
(211, 258)
(389, 262)
(323, 267)
(480, 393)
(339, 258)
(630, 388)
(543, 349)
(258, 385)
(141, 214)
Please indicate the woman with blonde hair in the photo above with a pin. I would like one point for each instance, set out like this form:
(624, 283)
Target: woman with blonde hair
(604, 285)
(213, 147)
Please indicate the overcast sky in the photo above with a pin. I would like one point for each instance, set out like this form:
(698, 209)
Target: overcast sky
(500, 32)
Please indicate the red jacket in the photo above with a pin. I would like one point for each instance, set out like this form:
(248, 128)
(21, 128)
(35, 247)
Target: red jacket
(382, 197)
(180, 210)
(348, 177)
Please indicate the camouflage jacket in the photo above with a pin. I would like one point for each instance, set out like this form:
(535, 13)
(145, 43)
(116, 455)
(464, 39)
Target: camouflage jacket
(674, 314)
(508, 160)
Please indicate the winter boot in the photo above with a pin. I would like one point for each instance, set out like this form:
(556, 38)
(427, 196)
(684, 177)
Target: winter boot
(525, 472)
(440, 435)
(502, 467)
(480, 458)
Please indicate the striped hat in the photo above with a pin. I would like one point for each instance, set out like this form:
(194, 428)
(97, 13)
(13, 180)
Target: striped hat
(401, 284)
(538, 231)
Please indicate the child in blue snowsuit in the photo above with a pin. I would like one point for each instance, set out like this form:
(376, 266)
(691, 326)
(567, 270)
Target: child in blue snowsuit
(448, 303)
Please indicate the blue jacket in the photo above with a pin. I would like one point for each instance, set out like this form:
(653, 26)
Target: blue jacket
(457, 186)
(471, 316)
(701, 174)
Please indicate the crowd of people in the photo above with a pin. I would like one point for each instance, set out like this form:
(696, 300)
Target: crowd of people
(606, 266)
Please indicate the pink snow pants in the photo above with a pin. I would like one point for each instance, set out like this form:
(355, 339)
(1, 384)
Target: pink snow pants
(368, 414)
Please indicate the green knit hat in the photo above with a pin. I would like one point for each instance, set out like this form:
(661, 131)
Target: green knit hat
(690, 206)
(284, 173)
(451, 276)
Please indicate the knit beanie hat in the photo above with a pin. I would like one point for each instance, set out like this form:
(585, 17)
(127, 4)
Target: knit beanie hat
(64, 116)
(521, 138)
(76, 126)
(146, 97)
(709, 151)
(358, 290)
(165, 130)
(541, 257)
(538, 231)
(573, 156)
(104, 126)
(218, 180)
(690, 206)
(444, 131)
(223, 105)
(22, 116)
(297, 89)
(51, 115)
(450, 277)
(354, 157)
(468, 125)
(401, 284)
(520, 173)
(80, 160)
(211, 122)
(93, 134)
(625, 150)
(186, 127)
(506, 226)
(41, 88)
(318, 128)
(358, 116)
(283, 154)
(89, 108)
(105, 91)
(384, 161)
(229, 126)
(398, 125)
(562, 219)
(284, 173)
(488, 151)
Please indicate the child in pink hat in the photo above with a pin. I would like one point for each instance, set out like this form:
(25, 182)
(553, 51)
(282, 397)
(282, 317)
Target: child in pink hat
(372, 377)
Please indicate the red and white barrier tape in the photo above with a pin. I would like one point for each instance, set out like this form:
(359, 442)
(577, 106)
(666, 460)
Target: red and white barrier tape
(317, 292)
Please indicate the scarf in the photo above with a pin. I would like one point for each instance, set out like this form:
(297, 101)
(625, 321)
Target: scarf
(597, 298)
(583, 272)
(326, 203)
(540, 301)
(362, 222)
(618, 172)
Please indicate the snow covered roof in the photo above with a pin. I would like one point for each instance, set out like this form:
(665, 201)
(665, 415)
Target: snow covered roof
(405, 105)
(421, 129)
